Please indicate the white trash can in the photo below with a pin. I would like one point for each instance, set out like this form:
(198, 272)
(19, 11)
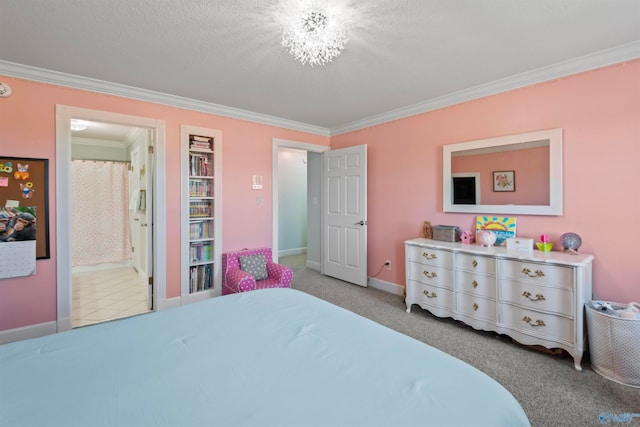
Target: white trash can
(614, 345)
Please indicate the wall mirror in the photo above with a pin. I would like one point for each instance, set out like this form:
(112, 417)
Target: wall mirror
(515, 174)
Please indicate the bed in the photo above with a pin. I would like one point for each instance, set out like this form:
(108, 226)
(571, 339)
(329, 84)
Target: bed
(272, 357)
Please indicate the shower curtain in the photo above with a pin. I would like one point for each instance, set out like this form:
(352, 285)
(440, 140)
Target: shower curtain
(100, 216)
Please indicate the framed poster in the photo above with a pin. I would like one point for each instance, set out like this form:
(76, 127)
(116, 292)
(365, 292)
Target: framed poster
(24, 202)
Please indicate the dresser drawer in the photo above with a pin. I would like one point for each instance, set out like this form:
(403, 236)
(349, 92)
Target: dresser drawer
(430, 274)
(477, 264)
(557, 300)
(476, 284)
(429, 295)
(429, 256)
(536, 273)
(476, 307)
(543, 325)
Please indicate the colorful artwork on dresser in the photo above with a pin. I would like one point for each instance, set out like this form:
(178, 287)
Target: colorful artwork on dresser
(503, 226)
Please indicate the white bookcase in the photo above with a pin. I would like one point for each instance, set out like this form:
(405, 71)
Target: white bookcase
(201, 213)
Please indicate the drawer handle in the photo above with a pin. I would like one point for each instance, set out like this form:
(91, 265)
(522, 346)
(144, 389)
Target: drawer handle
(429, 275)
(528, 319)
(537, 273)
(474, 263)
(474, 284)
(429, 256)
(539, 297)
(475, 307)
(432, 295)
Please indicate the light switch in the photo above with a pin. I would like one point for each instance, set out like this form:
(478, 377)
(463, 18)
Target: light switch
(256, 182)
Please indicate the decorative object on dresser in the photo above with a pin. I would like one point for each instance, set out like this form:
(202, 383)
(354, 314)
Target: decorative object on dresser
(534, 299)
(446, 233)
(571, 242)
(544, 245)
(520, 244)
(486, 238)
(427, 230)
(467, 237)
(503, 226)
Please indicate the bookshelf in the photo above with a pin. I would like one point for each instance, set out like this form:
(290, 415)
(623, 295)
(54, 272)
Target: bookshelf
(201, 212)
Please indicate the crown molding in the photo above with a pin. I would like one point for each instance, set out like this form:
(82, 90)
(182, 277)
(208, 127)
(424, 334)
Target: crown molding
(626, 52)
(78, 82)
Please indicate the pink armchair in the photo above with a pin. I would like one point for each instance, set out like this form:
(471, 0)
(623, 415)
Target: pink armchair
(236, 280)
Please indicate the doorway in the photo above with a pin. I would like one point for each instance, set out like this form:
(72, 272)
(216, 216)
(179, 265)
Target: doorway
(336, 233)
(312, 259)
(155, 200)
(292, 203)
(111, 192)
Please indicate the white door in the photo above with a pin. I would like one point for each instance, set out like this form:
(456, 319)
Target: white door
(345, 214)
(147, 226)
(134, 220)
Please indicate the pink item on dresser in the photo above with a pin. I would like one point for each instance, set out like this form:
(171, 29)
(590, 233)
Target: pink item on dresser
(235, 280)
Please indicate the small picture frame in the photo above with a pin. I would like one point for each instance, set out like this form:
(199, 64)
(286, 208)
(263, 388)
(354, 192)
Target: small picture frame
(504, 181)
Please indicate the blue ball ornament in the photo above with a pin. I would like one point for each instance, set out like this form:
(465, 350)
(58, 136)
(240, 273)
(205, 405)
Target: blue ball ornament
(571, 242)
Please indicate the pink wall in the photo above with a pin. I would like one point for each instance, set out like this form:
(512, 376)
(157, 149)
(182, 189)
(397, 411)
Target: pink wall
(600, 114)
(598, 111)
(27, 124)
(531, 168)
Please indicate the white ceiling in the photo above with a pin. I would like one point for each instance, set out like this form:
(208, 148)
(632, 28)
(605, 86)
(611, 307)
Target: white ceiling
(401, 52)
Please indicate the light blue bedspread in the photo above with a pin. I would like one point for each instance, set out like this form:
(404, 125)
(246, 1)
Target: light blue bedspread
(273, 357)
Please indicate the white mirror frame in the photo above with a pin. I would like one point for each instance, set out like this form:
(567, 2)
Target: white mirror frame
(555, 170)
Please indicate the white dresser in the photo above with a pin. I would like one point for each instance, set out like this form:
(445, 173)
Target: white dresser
(534, 297)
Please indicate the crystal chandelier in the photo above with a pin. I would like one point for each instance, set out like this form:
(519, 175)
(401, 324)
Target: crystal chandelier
(314, 36)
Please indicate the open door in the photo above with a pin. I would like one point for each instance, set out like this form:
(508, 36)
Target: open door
(148, 195)
(345, 214)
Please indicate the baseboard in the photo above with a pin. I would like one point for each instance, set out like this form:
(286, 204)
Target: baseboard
(27, 332)
(313, 265)
(198, 296)
(392, 288)
(290, 252)
(169, 303)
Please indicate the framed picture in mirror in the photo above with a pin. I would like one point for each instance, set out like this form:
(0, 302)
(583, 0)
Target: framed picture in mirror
(504, 181)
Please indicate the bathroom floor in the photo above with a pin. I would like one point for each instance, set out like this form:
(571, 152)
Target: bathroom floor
(106, 294)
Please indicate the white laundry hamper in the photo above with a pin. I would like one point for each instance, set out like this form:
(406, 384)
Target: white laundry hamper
(614, 345)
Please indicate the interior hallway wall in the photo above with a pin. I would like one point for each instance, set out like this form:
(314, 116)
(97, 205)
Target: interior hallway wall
(292, 201)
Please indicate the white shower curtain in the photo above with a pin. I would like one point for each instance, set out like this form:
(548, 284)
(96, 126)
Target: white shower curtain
(100, 214)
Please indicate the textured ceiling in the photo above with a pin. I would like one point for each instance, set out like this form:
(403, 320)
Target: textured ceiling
(227, 52)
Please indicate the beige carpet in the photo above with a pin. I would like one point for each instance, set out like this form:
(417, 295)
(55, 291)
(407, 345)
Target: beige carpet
(548, 387)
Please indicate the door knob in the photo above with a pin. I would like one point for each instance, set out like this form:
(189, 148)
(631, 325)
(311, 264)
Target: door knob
(360, 223)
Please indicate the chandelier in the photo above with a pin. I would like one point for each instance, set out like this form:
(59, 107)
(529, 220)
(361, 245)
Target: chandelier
(314, 36)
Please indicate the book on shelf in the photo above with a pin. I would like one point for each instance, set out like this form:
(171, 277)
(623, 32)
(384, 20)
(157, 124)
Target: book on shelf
(199, 165)
(200, 252)
(200, 142)
(199, 188)
(200, 209)
(199, 230)
(200, 278)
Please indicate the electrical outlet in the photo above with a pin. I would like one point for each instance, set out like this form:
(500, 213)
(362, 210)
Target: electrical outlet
(387, 264)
